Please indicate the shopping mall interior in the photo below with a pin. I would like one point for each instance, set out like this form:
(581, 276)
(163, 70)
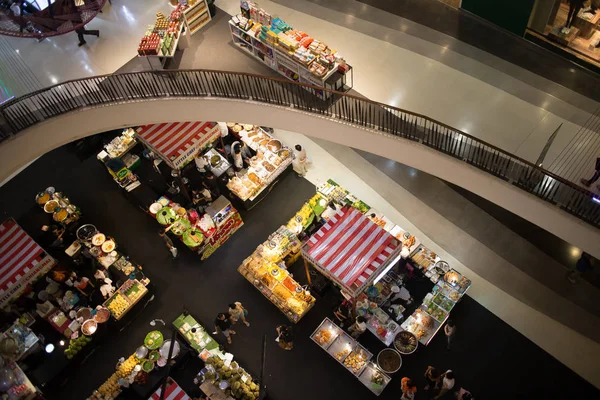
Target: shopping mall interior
(417, 203)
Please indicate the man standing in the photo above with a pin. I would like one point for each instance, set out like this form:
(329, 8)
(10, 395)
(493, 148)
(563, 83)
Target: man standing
(223, 324)
(583, 264)
(450, 331)
(169, 243)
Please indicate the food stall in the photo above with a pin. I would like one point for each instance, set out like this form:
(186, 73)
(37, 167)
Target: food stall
(349, 353)
(25, 339)
(144, 370)
(352, 251)
(290, 52)
(104, 250)
(431, 315)
(57, 204)
(177, 143)
(428, 318)
(23, 260)
(201, 234)
(271, 161)
(266, 270)
(222, 376)
(22, 388)
(119, 162)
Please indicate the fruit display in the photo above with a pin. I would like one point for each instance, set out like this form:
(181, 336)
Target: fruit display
(127, 366)
(109, 389)
(133, 290)
(357, 359)
(406, 342)
(117, 305)
(76, 345)
(324, 337)
(241, 385)
(261, 269)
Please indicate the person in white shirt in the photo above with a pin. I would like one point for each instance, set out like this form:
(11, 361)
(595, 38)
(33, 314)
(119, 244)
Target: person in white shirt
(447, 383)
(300, 160)
(358, 328)
(16, 8)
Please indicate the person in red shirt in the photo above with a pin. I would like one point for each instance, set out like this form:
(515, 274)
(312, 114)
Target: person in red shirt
(409, 388)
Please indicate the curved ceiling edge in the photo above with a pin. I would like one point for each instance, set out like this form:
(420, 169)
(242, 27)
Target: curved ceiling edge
(41, 138)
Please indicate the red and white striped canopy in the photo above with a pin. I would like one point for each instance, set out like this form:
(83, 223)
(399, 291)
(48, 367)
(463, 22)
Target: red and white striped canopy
(21, 260)
(351, 249)
(173, 392)
(178, 142)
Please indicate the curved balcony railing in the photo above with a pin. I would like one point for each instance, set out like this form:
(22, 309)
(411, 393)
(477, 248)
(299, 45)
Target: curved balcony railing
(21, 113)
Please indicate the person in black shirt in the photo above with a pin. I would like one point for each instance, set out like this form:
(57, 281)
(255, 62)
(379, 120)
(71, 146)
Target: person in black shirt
(285, 337)
(223, 324)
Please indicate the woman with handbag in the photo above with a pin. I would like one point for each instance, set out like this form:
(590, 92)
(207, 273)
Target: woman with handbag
(238, 312)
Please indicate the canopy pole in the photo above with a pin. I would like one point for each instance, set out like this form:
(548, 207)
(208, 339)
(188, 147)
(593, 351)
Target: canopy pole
(307, 271)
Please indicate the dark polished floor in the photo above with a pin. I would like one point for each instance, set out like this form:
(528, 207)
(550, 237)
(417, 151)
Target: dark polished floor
(479, 33)
(490, 358)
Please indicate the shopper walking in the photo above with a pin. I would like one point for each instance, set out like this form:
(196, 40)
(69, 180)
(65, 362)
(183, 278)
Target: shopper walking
(583, 264)
(285, 337)
(300, 160)
(432, 376)
(238, 312)
(595, 177)
(358, 327)
(450, 331)
(223, 325)
(447, 383)
(409, 388)
(82, 31)
(169, 243)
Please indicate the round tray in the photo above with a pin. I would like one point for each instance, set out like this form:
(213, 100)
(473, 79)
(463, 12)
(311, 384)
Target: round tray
(390, 355)
(397, 343)
(153, 340)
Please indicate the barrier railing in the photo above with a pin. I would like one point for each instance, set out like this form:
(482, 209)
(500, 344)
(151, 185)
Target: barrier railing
(21, 113)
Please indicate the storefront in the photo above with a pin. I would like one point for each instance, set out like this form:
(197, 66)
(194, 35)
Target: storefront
(570, 25)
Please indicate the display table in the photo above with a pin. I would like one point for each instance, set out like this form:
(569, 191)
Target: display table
(351, 355)
(197, 337)
(587, 23)
(291, 53)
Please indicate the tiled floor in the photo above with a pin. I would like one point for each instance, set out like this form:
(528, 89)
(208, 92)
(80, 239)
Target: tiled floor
(421, 76)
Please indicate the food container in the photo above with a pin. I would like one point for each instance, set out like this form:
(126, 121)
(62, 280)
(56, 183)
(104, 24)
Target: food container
(155, 207)
(86, 232)
(84, 313)
(60, 215)
(98, 239)
(50, 206)
(389, 360)
(141, 352)
(42, 198)
(406, 342)
(164, 349)
(89, 327)
(102, 315)
(108, 246)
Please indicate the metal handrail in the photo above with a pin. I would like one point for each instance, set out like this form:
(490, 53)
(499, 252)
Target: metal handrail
(26, 111)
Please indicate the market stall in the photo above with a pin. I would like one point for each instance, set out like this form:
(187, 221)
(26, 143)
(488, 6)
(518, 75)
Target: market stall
(103, 249)
(201, 234)
(119, 161)
(349, 353)
(222, 377)
(23, 260)
(177, 143)
(288, 51)
(266, 270)
(352, 251)
(196, 14)
(271, 161)
(20, 387)
(143, 372)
